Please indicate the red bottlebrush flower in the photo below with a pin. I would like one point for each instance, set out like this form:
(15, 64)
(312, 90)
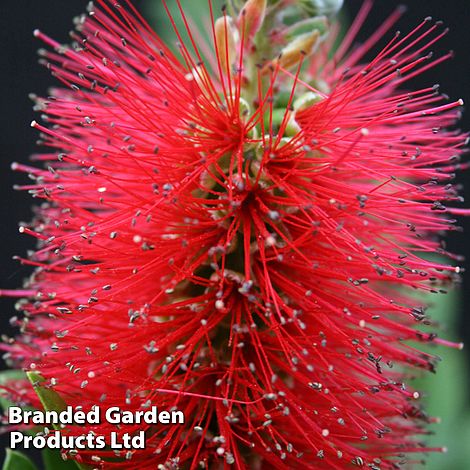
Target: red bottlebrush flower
(235, 231)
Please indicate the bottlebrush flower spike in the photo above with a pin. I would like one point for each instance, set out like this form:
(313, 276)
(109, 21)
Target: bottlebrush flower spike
(239, 241)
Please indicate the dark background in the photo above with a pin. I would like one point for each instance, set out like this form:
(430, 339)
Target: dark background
(20, 75)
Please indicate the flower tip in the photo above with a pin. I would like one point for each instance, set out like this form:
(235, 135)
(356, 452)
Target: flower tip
(34, 124)
(416, 395)
(365, 131)
(461, 102)
(461, 346)
(21, 229)
(36, 33)
(14, 166)
(444, 450)
(252, 17)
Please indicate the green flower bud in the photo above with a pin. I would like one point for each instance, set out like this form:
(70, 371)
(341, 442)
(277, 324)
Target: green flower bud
(306, 100)
(319, 24)
(322, 7)
(303, 45)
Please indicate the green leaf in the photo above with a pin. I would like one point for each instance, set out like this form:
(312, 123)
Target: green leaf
(53, 461)
(17, 461)
(50, 399)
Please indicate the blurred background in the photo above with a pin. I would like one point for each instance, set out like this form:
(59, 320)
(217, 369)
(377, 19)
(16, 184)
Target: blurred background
(448, 390)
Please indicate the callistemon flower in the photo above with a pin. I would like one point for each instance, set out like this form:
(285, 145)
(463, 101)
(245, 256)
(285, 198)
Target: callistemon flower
(237, 229)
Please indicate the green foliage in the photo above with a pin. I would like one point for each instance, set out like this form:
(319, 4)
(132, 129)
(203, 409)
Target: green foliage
(51, 458)
(49, 398)
(17, 461)
(446, 392)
